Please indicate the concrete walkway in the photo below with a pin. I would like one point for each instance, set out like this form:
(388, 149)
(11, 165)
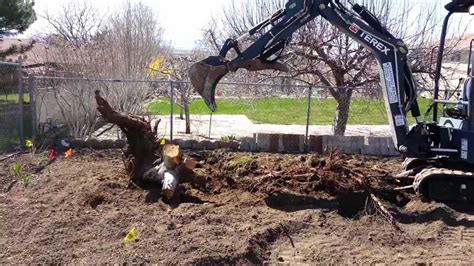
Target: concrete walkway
(241, 126)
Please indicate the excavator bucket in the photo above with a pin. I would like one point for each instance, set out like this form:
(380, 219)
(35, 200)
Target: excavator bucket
(205, 75)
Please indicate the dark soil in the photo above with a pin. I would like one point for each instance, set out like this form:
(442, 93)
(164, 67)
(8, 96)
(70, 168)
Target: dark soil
(256, 208)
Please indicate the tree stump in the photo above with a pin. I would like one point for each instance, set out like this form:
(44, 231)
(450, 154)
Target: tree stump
(146, 161)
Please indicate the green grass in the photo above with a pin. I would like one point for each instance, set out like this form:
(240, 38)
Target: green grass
(290, 111)
(242, 161)
(13, 98)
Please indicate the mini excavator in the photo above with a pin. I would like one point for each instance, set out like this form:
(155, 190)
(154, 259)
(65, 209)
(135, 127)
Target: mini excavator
(439, 153)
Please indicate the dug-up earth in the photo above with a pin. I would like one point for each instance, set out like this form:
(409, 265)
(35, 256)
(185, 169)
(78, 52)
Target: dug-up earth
(255, 209)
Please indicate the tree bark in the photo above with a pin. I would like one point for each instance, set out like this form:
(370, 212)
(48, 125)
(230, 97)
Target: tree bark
(187, 115)
(184, 98)
(146, 160)
(143, 149)
(181, 113)
(342, 113)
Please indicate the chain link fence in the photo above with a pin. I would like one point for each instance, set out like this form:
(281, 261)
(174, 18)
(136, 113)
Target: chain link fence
(64, 107)
(247, 108)
(15, 109)
(243, 108)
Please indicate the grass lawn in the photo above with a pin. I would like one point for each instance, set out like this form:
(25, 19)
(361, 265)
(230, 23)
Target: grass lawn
(290, 111)
(13, 98)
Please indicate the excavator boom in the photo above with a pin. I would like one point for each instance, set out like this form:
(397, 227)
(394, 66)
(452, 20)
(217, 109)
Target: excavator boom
(275, 34)
(440, 154)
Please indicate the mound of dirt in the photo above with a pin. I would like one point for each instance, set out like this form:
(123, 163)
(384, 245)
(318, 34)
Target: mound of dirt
(255, 209)
(310, 175)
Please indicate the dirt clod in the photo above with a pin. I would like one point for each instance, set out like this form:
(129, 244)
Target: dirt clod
(95, 200)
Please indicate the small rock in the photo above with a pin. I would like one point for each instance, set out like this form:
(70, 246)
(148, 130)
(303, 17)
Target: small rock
(171, 226)
(280, 259)
(371, 236)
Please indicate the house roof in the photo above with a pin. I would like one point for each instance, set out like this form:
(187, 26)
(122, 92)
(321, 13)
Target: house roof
(14, 43)
(7, 43)
(37, 54)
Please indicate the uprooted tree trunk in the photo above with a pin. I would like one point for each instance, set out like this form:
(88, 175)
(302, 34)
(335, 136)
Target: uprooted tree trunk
(145, 159)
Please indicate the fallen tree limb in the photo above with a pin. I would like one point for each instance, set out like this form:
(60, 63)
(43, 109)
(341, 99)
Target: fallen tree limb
(378, 203)
(9, 156)
(385, 212)
(104, 131)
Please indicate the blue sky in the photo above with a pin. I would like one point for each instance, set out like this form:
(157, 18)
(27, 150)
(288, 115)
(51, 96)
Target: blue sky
(182, 20)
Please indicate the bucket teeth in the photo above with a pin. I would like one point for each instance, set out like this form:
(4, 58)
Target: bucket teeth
(205, 75)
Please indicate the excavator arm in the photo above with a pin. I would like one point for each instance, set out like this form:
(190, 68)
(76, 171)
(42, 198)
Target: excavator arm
(275, 34)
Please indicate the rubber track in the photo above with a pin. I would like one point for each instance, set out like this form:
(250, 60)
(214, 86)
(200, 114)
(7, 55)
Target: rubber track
(430, 173)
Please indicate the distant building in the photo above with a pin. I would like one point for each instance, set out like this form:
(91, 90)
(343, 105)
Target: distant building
(39, 57)
(10, 48)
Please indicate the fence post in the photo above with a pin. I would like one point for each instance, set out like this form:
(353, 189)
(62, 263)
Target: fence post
(171, 109)
(20, 102)
(210, 124)
(308, 114)
(31, 91)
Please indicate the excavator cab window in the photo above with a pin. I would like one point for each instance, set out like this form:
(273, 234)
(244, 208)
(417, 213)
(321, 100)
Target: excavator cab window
(460, 110)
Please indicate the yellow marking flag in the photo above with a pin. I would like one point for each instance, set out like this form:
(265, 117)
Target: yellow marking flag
(131, 236)
(29, 143)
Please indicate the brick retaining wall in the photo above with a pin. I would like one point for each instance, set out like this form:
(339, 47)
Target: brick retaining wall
(277, 143)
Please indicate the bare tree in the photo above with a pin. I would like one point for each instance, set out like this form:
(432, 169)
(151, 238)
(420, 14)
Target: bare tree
(76, 23)
(321, 54)
(134, 37)
(120, 47)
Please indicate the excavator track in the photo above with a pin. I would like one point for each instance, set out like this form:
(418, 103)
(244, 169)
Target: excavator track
(443, 184)
(411, 163)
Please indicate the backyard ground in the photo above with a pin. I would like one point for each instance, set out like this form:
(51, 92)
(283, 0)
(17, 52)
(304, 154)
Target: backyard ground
(256, 208)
